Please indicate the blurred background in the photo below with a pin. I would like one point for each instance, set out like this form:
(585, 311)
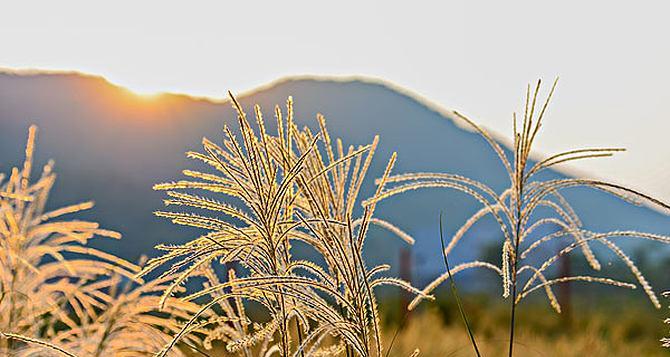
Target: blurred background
(121, 90)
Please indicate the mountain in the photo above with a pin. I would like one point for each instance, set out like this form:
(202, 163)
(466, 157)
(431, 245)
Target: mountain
(111, 146)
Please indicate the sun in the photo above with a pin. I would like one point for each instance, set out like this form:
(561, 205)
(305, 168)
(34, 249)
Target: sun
(141, 95)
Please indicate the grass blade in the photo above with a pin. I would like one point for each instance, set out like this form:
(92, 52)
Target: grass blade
(454, 291)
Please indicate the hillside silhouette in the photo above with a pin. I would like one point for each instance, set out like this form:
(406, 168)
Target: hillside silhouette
(111, 146)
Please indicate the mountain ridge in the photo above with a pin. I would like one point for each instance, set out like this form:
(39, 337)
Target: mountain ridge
(112, 147)
(366, 80)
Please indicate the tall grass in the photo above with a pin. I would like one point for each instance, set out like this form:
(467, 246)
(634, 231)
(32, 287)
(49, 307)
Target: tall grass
(262, 199)
(628, 332)
(293, 187)
(518, 212)
(57, 294)
(455, 294)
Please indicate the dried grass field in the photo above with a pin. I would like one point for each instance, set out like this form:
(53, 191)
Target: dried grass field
(254, 195)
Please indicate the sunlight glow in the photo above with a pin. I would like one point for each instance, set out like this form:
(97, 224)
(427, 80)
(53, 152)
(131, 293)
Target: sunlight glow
(146, 95)
(472, 56)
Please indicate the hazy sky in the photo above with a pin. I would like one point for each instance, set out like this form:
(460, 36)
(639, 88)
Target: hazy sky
(613, 59)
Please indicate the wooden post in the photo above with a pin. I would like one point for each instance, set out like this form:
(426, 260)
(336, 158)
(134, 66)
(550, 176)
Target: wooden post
(405, 267)
(564, 291)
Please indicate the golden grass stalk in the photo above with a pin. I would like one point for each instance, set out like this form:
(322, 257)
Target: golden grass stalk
(292, 187)
(43, 259)
(60, 296)
(126, 323)
(515, 211)
(44, 345)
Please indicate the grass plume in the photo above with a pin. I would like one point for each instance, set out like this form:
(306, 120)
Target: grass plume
(261, 200)
(516, 210)
(59, 295)
(295, 187)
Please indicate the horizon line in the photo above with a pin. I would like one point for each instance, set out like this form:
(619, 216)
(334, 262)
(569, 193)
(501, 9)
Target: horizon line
(370, 80)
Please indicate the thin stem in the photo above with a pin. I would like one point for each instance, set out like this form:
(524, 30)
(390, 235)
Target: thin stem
(454, 291)
(10, 322)
(297, 326)
(517, 239)
(397, 331)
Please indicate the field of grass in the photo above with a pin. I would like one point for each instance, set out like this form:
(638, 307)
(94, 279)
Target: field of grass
(592, 331)
(598, 336)
(263, 193)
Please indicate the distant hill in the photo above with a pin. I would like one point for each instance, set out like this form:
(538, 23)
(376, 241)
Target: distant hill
(112, 146)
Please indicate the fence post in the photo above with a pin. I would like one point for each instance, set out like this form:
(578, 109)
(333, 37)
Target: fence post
(405, 267)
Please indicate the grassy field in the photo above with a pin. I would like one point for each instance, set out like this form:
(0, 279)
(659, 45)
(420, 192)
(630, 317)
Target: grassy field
(301, 187)
(600, 336)
(595, 332)
(617, 327)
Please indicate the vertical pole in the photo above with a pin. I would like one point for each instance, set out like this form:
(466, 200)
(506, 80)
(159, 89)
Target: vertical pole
(564, 291)
(405, 267)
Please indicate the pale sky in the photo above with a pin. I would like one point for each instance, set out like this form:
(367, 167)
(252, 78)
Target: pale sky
(613, 59)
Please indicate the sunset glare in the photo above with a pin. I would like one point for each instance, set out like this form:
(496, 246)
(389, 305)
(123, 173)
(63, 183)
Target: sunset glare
(459, 55)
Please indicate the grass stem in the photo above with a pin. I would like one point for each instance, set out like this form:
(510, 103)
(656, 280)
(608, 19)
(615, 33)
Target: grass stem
(454, 291)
